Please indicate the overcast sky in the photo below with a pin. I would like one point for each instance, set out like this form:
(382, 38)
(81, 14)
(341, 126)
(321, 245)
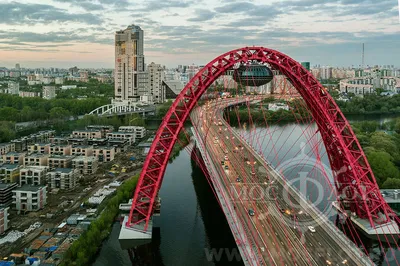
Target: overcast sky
(63, 33)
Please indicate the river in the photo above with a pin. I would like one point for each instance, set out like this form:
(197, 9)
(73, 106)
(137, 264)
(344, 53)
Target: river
(191, 223)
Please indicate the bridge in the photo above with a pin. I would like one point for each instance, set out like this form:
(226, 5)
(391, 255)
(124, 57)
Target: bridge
(123, 109)
(283, 228)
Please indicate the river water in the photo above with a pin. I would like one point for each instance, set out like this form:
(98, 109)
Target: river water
(192, 224)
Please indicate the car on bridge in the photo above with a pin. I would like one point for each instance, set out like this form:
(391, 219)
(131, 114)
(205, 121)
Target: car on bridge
(226, 167)
(312, 229)
(226, 158)
(238, 179)
(251, 212)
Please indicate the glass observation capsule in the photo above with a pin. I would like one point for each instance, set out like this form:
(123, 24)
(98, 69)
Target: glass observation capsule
(253, 75)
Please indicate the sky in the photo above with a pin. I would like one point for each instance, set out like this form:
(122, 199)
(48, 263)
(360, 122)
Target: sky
(65, 33)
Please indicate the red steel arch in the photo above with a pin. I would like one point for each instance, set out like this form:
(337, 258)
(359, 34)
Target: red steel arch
(354, 179)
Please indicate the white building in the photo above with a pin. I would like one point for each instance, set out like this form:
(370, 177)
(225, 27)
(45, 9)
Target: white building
(155, 77)
(140, 132)
(49, 92)
(67, 87)
(130, 136)
(3, 220)
(33, 175)
(13, 88)
(130, 76)
(59, 80)
(326, 72)
(85, 165)
(29, 198)
(63, 178)
(277, 106)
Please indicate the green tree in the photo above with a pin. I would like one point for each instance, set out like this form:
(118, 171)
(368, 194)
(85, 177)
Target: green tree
(391, 183)
(382, 165)
(59, 113)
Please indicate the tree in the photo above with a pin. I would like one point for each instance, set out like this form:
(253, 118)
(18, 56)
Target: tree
(384, 142)
(382, 165)
(391, 183)
(59, 113)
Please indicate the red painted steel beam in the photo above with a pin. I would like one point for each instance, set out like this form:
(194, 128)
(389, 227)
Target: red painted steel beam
(356, 183)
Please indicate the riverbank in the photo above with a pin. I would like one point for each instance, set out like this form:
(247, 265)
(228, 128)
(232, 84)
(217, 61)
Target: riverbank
(84, 250)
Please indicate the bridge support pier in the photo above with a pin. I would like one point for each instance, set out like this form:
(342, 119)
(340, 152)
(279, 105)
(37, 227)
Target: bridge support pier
(136, 236)
(380, 230)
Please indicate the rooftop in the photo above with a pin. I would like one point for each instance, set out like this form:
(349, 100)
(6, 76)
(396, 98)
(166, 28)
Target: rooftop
(63, 170)
(29, 188)
(9, 166)
(13, 153)
(4, 186)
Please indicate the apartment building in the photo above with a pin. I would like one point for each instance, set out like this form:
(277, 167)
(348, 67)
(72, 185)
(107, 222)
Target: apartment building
(33, 175)
(104, 153)
(6, 148)
(13, 158)
(120, 145)
(103, 128)
(6, 194)
(60, 161)
(77, 141)
(86, 134)
(41, 148)
(130, 136)
(9, 173)
(85, 165)
(140, 132)
(97, 142)
(29, 198)
(36, 159)
(3, 220)
(60, 149)
(58, 140)
(63, 178)
(82, 151)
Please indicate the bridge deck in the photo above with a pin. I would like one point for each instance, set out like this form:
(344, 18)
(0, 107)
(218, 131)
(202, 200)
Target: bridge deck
(278, 238)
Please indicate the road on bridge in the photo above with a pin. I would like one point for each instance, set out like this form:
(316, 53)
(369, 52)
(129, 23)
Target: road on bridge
(276, 231)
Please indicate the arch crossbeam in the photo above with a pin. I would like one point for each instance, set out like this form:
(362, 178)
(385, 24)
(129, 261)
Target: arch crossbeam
(354, 180)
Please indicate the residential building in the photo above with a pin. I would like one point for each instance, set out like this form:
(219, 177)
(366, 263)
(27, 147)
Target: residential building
(140, 132)
(49, 92)
(84, 76)
(29, 94)
(29, 198)
(59, 80)
(58, 140)
(36, 159)
(3, 220)
(85, 165)
(13, 158)
(63, 178)
(67, 87)
(86, 134)
(60, 150)
(9, 173)
(155, 77)
(60, 161)
(6, 194)
(33, 175)
(42, 148)
(7, 147)
(120, 145)
(130, 136)
(326, 73)
(13, 88)
(97, 142)
(130, 76)
(103, 128)
(77, 141)
(104, 154)
(82, 151)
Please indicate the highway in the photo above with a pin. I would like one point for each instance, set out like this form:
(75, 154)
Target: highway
(277, 230)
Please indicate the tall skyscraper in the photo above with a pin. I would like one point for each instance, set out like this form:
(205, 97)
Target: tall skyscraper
(130, 76)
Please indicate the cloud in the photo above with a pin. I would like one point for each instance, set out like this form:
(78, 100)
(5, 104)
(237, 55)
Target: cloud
(202, 15)
(155, 5)
(249, 9)
(17, 13)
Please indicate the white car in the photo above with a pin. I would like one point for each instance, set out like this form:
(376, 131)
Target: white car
(312, 229)
(226, 158)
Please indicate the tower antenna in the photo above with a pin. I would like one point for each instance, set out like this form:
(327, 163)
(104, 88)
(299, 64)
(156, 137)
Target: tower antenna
(363, 55)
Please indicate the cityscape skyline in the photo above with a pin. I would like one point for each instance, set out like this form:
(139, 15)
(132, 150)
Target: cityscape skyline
(60, 34)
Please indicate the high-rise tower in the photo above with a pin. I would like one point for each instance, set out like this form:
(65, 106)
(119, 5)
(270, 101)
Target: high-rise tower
(130, 76)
